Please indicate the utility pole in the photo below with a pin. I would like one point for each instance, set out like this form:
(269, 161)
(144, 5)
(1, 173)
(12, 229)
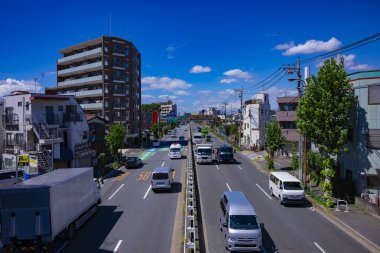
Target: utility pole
(240, 92)
(225, 110)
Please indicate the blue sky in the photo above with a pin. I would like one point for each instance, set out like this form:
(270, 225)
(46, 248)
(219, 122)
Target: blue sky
(233, 44)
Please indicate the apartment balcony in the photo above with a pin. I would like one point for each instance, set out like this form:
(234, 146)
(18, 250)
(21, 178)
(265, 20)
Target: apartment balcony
(118, 105)
(10, 122)
(81, 69)
(118, 65)
(72, 117)
(118, 92)
(118, 51)
(90, 54)
(286, 116)
(291, 134)
(81, 81)
(92, 106)
(86, 93)
(118, 79)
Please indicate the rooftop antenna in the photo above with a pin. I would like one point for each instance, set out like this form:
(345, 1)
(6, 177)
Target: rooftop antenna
(42, 78)
(35, 84)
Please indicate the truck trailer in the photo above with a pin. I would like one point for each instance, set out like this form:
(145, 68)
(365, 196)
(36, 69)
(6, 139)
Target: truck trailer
(225, 154)
(37, 210)
(203, 153)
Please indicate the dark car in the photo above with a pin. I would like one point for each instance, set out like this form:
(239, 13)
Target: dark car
(132, 162)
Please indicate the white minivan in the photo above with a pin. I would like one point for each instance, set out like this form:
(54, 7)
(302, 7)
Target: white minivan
(175, 151)
(162, 178)
(286, 188)
(239, 223)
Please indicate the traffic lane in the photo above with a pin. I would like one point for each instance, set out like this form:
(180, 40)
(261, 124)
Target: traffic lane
(211, 185)
(279, 219)
(149, 225)
(92, 237)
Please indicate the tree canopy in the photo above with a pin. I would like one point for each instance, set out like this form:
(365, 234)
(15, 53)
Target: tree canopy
(115, 139)
(150, 107)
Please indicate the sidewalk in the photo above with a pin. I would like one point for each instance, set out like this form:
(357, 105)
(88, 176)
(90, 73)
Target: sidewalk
(360, 225)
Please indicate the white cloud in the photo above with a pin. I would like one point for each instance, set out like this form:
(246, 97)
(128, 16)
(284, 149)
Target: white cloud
(148, 97)
(349, 63)
(170, 50)
(165, 83)
(226, 92)
(309, 47)
(205, 92)
(166, 97)
(181, 92)
(237, 73)
(275, 92)
(284, 46)
(8, 85)
(228, 80)
(200, 69)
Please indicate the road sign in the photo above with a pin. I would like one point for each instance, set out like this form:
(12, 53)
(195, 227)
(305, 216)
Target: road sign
(23, 160)
(33, 166)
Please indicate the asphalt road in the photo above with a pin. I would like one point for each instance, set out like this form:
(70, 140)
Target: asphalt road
(286, 228)
(132, 218)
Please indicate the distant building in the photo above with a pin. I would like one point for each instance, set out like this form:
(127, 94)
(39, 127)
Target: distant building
(51, 127)
(97, 133)
(168, 111)
(104, 75)
(147, 120)
(361, 164)
(286, 117)
(256, 115)
(211, 111)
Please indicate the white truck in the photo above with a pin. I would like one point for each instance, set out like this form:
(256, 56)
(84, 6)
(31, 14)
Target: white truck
(37, 210)
(203, 153)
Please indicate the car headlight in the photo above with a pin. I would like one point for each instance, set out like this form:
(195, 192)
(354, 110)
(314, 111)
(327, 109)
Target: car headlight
(231, 239)
(285, 196)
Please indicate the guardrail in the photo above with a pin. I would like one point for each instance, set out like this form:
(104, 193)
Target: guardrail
(190, 210)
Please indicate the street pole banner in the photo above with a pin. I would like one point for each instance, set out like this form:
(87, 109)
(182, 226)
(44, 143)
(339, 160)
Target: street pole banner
(33, 168)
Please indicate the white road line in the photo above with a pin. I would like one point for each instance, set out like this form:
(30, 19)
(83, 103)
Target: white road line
(115, 192)
(264, 191)
(240, 167)
(163, 164)
(117, 246)
(228, 187)
(319, 247)
(217, 167)
(61, 248)
(146, 194)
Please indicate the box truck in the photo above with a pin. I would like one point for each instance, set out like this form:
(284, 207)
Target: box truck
(203, 153)
(37, 210)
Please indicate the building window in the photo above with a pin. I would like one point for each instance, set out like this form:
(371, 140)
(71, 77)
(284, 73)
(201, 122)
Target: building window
(126, 50)
(127, 77)
(60, 108)
(19, 104)
(117, 73)
(374, 94)
(105, 49)
(105, 61)
(27, 106)
(373, 138)
(84, 136)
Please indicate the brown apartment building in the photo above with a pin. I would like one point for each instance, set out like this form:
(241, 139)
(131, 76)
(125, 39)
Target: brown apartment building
(104, 75)
(286, 117)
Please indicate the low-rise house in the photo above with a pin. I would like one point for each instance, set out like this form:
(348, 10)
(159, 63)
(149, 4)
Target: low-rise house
(97, 133)
(51, 127)
(256, 115)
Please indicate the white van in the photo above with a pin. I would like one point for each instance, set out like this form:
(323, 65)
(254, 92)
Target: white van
(162, 178)
(175, 151)
(197, 138)
(239, 223)
(286, 188)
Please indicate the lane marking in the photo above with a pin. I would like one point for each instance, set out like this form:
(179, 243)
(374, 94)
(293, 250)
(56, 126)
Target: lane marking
(117, 246)
(61, 248)
(116, 191)
(264, 191)
(121, 177)
(239, 167)
(319, 247)
(228, 187)
(163, 164)
(144, 176)
(146, 194)
(217, 167)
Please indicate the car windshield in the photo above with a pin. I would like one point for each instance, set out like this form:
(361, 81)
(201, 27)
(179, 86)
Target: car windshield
(132, 159)
(243, 222)
(197, 137)
(160, 175)
(174, 150)
(292, 186)
(204, 151)
(225, 151)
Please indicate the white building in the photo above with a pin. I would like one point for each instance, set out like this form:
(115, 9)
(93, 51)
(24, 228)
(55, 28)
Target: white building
(256, 115)
(47, 126)
(211, 111)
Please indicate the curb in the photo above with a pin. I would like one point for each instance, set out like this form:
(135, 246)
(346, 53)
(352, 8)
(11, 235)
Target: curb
(323, 211)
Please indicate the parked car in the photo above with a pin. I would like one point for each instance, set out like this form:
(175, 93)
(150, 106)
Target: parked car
(181, 138)
(208, 138)
(156, 143)
(133, 162)
(173, 136)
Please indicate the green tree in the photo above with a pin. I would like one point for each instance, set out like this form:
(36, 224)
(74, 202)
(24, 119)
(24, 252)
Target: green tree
(155, 130)
(115, 139)
(227, 128)
(235, 132)
(150, 107)
(274, 141)
(323, 116)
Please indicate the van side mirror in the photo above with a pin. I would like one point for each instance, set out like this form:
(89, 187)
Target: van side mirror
(224, 225)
